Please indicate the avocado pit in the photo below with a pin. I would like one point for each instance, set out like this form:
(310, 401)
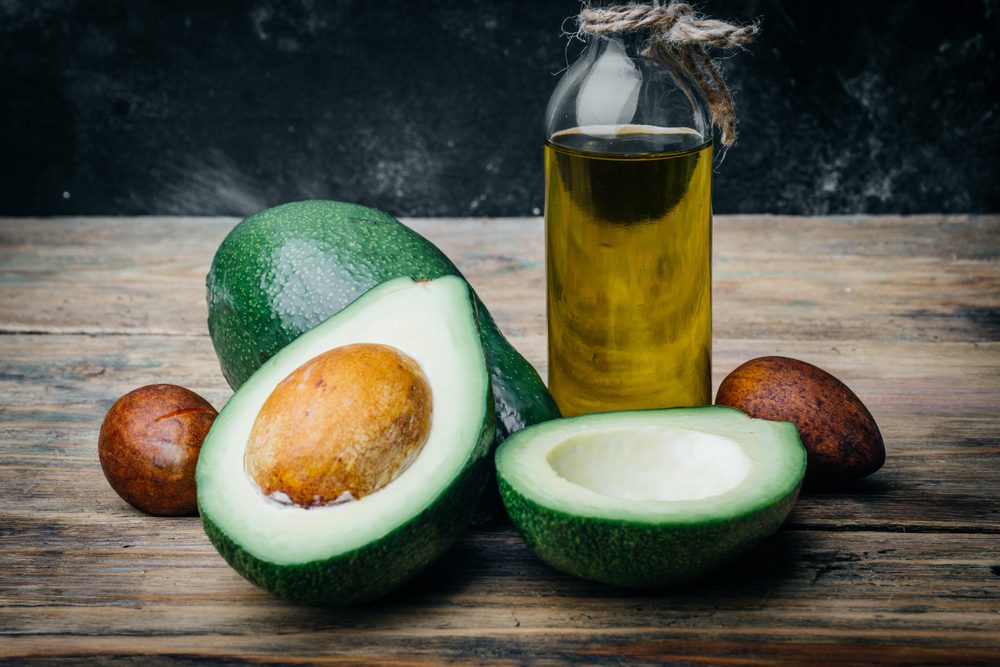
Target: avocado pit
(340, 426)
(839, 433)
(149, 445)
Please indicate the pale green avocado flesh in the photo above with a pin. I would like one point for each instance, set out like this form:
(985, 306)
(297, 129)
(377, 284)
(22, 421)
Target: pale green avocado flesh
(650, 498)
(360, 550)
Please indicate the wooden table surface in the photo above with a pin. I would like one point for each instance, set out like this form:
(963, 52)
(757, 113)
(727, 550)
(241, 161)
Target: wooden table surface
(903, 567)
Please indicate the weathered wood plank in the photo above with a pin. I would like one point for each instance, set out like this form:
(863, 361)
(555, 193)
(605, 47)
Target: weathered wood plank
(160, 579)
(841, 278)
(144, 561)
(937, 413)
(522, 649)
(83, 578)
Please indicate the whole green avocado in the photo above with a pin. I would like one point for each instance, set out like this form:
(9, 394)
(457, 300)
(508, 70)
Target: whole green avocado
(284, 270)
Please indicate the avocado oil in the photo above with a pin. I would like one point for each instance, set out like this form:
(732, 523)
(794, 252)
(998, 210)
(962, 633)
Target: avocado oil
(628, 263)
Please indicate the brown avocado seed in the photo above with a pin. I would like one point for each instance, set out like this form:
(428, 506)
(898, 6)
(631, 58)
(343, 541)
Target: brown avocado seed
(340, 426)
(149, 445)
(841, 438)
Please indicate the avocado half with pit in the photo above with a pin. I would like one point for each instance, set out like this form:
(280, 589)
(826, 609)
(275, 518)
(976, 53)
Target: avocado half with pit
(282, 271)
(651, 498)
(356, 455)
(285, 269)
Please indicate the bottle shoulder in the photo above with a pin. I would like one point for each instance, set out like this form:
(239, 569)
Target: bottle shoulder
(613, 85)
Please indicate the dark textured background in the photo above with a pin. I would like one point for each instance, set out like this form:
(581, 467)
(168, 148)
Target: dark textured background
(435, 108)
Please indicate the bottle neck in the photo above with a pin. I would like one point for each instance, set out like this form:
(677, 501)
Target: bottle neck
(634, 44)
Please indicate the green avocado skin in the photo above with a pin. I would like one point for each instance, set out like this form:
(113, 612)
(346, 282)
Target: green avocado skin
(284, 270)
(372, 571)
(634, 555)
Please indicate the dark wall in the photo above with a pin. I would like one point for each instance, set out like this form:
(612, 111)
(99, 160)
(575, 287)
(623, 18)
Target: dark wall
(435, 108)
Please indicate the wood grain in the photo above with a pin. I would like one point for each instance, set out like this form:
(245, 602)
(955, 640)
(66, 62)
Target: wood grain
(903, 567)
(941, 473)
(813, 588)
(782, 278)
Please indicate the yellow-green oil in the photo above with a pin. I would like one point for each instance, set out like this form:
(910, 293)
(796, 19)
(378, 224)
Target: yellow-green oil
(628, 221)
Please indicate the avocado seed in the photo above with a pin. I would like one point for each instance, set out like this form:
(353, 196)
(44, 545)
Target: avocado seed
(841, 438)
(149, 445)
(340, 426)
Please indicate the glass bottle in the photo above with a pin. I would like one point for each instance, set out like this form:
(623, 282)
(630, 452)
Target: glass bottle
(628, 216)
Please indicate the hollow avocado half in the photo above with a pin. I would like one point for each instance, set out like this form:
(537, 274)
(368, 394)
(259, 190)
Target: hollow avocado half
(359, 550)
(652, 498)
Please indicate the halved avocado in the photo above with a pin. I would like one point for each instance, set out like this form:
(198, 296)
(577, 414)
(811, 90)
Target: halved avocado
(651, 498)
(361, 549)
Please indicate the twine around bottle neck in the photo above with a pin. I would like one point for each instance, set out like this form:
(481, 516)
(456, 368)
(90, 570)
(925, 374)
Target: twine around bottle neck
(680, 38)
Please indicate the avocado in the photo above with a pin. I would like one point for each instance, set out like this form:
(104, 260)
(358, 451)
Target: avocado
(284, 270)
(352, 550)
(651, 498)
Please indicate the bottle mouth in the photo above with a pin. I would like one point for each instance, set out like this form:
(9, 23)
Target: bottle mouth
(623, 130)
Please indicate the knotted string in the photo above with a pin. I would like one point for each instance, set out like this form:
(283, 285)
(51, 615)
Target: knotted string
(680, 36)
